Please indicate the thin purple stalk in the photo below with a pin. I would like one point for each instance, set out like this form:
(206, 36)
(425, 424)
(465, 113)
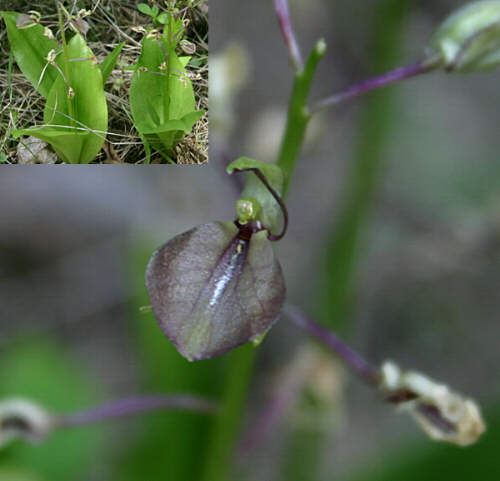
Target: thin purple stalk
(401, 73)
(135, 405)
(283, 13)
(355, 361)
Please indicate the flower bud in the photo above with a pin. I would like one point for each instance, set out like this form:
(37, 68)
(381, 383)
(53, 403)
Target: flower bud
(469, 39)
(215, 287)
(22, 419)
(187, 47)
(443, 414)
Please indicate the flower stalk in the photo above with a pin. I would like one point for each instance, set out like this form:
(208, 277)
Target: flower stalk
(349, 356)
(25, 419)
(284, 20)
(136, 405)
(397, 75)
(440, 412)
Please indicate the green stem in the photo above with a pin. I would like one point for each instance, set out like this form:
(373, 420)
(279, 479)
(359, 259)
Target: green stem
(219, 460)
(169, 50)
(227, 426)
(298, 114)
(71, 109)
(343, 245)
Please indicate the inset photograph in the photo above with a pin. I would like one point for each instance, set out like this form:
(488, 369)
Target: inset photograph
(104, 82)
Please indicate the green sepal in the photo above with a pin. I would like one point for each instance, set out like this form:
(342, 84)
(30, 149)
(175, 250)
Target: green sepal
(270, 213)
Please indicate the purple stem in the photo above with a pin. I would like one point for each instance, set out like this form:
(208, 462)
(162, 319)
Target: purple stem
(281, 8)
(135, 405)
(401, 73)
(357, 363)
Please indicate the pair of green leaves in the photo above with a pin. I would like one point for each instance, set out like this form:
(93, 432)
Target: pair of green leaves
(161, 94)
(75, 115)
(153, 12)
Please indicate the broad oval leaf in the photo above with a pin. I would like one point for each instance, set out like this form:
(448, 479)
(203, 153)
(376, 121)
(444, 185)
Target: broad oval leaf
(156, 99)
(66, 142)
(185, 124)
(212, 291)
(90, 110)
(30, 48)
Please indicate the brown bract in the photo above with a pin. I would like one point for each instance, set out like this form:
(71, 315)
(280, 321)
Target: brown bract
(212, 290)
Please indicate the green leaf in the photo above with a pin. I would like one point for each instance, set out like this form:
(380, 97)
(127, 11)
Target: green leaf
(161, 105)
(109, 62)
(184, 60)
(145, 9)
(177, 30)
(171, 132)
(155, 11)
(195, 62)
(181, 90)
(67, 143)
(148, 89)
(185, 124)
(30, 48)
(270, 214)
(162, 18)
(88, 108)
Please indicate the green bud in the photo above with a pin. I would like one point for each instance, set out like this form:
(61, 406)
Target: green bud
(247, 208)
(469, 39)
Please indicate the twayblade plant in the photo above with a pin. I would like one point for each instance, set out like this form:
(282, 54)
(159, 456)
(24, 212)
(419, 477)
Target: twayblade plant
(66, 73)
(219, 285)
(161, 94)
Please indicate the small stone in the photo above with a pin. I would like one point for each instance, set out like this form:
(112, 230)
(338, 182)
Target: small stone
(31, 150)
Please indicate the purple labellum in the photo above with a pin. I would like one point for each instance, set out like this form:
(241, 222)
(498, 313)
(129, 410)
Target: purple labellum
(215, 287)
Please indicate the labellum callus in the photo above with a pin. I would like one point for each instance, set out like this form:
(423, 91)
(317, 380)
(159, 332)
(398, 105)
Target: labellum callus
(215, 287)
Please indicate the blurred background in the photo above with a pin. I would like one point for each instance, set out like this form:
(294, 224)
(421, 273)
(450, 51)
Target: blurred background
(393, 242)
